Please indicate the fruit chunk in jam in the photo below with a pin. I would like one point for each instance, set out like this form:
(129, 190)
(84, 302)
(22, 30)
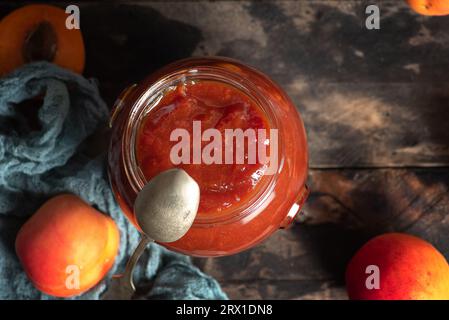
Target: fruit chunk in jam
(216, 105)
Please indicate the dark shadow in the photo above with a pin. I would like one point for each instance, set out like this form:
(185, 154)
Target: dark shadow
(126, 43)
(332, 245)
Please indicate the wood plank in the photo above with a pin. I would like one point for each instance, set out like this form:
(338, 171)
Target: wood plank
(378, 201)
(368, 98)
(376, 98)
(346, 208)
(284, 290)
(376, 125)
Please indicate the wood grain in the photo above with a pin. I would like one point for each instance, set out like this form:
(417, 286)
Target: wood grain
(375, 105)
(347, 208)
(385, 91)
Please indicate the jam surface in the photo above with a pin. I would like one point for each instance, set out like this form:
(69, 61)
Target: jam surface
(216, 105)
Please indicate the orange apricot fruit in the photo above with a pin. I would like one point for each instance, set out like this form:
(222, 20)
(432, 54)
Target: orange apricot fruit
(409, 268)
(430, 7)
(38, 32)
(67, 246)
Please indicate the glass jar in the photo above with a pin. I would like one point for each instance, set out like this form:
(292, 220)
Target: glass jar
(281, 194)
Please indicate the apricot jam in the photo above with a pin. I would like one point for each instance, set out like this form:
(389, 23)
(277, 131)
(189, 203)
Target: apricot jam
(241, 202)
(213, 105)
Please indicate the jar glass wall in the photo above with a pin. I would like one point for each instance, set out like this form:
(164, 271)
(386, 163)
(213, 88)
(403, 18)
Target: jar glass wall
(245, 222)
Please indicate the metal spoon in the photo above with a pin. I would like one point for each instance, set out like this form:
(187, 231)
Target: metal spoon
(165, 210)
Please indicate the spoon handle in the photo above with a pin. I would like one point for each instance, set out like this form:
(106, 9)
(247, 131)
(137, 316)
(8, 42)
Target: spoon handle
(131, 264)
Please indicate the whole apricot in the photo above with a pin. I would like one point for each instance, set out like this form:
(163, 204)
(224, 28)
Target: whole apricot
(67, 246)
(407, 267)
(430, 7)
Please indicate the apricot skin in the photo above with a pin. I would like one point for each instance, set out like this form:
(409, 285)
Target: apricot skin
(410, 269)
(65, 232)
(16, 27)
(430, 7)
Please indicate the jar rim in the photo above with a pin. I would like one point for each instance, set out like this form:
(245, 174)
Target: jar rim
(152, 94)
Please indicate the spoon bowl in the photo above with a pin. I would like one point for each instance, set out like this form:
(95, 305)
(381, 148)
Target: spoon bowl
(166, 207)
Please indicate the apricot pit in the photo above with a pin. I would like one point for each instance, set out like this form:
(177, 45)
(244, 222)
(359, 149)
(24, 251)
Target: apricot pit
(39, 33)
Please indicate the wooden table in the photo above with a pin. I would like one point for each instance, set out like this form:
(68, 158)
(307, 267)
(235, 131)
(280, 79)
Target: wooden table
(375, 104)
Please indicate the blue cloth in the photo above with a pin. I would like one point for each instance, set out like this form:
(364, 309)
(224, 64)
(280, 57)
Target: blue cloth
(38, 163)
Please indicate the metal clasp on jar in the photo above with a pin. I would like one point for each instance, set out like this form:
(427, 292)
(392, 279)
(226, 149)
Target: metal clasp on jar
(296, 208)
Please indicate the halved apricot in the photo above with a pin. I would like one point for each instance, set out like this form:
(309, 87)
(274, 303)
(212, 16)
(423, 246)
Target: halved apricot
(38, 32)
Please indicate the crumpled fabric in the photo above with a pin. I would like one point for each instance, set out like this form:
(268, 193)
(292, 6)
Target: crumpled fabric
(49, 156)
